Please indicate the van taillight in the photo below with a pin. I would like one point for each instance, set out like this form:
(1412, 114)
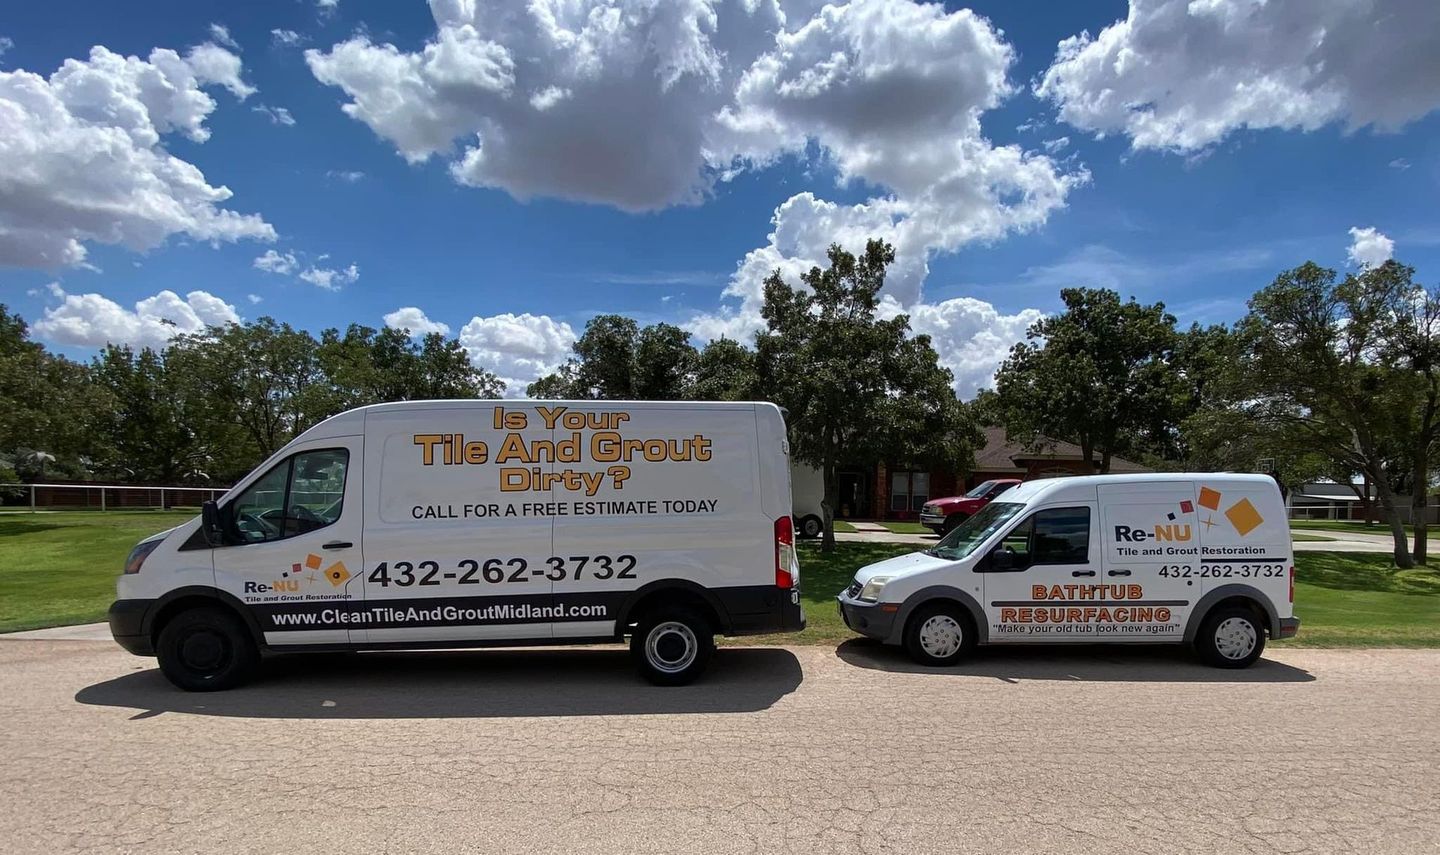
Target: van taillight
(784, 552)
(1292, 585)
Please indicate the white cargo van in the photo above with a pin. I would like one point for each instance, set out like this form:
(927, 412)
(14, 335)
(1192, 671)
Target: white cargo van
(807, 483)
(1185, 558)
(475, 523)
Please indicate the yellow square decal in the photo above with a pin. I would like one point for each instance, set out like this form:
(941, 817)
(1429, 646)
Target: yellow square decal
(313, 561)
(1209, 498)
(337, 574)
(1244, 517)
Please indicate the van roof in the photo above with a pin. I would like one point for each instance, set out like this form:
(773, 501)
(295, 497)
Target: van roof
(1082, 487)
(352, 422)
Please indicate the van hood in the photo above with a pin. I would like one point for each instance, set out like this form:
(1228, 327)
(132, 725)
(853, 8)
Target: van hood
(901, 565)
(161, 535)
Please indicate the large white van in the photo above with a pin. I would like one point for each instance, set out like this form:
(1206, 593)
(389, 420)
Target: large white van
(1186, 558)
(475, 523)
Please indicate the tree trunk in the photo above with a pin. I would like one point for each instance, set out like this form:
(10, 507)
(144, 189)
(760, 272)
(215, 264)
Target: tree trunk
(827, 506)
(1397, 528)
(1419, 498)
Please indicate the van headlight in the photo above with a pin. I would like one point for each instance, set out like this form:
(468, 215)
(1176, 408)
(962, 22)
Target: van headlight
(871, 592)
(139, 554)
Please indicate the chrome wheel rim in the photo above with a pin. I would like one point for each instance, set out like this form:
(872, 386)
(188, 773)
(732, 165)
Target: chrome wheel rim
(1235, 638)
(940, 636)
(671, 647)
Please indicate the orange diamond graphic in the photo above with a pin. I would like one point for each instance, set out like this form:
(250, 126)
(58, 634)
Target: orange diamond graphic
(1243, 516)
(1209, 498)
(313, 561)
(337, 574)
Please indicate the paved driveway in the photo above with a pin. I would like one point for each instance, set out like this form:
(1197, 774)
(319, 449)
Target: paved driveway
(780, 750)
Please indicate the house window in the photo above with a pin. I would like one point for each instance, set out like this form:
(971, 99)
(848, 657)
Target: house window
(909, 490)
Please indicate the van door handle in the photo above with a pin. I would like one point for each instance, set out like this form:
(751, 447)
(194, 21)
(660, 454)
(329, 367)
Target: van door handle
(1082, 572)
(337, 544)
(1119, 572)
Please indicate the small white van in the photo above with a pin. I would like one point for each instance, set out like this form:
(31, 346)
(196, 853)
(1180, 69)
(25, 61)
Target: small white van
(481, 523)
(1185, 558)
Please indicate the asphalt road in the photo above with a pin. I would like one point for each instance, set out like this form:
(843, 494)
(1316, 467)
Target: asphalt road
(807, 750)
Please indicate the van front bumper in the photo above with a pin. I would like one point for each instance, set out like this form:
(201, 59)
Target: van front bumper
(127, 626)
(873, 620)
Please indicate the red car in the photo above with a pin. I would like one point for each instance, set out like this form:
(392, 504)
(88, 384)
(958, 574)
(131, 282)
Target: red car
(941, 515)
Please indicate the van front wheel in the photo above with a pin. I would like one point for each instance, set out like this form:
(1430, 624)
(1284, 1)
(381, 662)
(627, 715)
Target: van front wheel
(1231, 638)
(206, 650)
(672, 646)
(939, 635)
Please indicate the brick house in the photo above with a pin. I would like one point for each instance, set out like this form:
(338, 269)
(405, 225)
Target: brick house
(895, 492)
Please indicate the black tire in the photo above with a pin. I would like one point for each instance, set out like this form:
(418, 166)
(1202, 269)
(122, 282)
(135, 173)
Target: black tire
(952, 521)
(811, 526)
(926, 629)
(1225, 634)
(672, 645)
(206, 650)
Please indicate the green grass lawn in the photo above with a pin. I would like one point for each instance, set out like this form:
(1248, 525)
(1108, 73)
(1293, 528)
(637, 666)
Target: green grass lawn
(906, 527)
(1310, 538)
(841, 525)
(60, 568)
(1345, 526)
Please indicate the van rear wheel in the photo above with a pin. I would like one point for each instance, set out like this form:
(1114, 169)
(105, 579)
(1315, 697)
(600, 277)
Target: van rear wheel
(672, 646)
(1231, 637)
(206, 650)
(811, 526)
(939, 635)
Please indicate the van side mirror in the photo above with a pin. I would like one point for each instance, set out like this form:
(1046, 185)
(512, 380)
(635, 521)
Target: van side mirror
(210, 525)
(1002, 559)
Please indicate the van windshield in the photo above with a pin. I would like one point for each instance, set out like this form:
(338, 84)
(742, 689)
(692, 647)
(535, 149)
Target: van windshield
(967, 536)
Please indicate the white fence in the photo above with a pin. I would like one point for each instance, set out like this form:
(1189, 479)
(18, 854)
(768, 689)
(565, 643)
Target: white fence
(102, 497)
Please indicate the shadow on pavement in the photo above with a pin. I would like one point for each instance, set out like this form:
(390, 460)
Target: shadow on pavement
(1087, 663)
(464, 684)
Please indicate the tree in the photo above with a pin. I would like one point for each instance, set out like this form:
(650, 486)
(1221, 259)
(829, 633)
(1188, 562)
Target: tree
(857, 387)
(1414, 347)
(726, 371)
(1098, 374)
(46, 401)
(370, 366)
(1316, 361)
(145, 432)
(616, 360)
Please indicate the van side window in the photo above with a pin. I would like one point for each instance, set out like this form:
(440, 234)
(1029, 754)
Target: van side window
(1051, 536)
(298, 495)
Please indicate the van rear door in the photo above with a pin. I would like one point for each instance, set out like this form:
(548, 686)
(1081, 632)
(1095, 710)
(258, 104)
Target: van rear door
(1151, 561)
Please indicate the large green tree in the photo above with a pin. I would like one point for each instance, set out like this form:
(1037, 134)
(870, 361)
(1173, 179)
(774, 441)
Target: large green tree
(1098, 374)
(1318, 362)
(858, 387)
(615, 359)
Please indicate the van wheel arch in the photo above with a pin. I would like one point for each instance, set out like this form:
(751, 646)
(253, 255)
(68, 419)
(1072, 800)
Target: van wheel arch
(671, 593)
(1226, 596)
(942, 594)
(195, 596)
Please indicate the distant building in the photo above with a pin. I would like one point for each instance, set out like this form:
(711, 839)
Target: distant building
(896, 492)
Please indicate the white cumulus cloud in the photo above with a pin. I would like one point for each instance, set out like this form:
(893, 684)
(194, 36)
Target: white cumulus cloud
(329, 278)
(415, 322)
(82, 159)
(283, 263)
(93, 320)
(220, 35)
(518, 348)
(971, 337)
(276, 115)
(1369, 247)
(287, 38)
(1183, 74)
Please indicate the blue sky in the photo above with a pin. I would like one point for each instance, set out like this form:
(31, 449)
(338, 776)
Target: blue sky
(1199, 213)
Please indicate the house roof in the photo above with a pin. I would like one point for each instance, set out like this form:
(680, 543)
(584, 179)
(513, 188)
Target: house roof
(1001, 454)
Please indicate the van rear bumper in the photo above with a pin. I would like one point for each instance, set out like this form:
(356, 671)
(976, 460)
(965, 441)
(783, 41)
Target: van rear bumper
(1289, 627)
(127, 626)
(755, 610)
